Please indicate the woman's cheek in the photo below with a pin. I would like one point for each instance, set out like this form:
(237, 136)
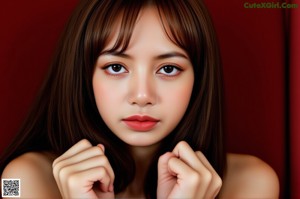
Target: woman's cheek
(109, 95)
(176, 98)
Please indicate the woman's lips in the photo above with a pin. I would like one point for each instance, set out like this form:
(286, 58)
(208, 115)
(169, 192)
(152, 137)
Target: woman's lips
(140, 123)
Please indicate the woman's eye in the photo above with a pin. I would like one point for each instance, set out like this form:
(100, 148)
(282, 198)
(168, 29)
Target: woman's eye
(169, 70)
(115, 69)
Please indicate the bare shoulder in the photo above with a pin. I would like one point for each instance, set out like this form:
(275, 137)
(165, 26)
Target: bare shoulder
(249, 177)
(34, 169)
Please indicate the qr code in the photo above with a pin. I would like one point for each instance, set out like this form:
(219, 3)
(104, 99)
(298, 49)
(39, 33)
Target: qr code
(11, 188)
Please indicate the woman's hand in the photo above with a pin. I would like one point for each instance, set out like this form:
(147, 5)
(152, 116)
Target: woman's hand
(84, 172)
(186, 174)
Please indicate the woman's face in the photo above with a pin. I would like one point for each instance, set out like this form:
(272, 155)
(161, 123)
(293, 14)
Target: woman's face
(143, 93)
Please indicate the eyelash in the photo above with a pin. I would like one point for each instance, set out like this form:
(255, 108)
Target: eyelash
(123, 70)
(177, 69)
(110, 71)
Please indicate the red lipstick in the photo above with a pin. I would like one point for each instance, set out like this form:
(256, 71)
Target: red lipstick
(140, 123)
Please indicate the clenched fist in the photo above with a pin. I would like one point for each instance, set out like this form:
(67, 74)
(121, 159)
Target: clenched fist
(84, 172)
(184, 173)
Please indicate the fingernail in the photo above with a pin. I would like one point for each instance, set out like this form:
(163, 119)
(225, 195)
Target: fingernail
(101, 146)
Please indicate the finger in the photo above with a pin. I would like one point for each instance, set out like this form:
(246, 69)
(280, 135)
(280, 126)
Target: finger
(187, 179)
(66, 174)
(163, 168)
(97, 161)
(209, 181)
(83, 181)
(102, 147)
(185, 153)
(166, 178)
(77, 157)
(216, 182)
(81, 156)
(78, 147)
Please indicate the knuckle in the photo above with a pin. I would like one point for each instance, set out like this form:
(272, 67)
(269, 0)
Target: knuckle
(105, 160)
(163, 158)
(106, 164)
(199, 153)
(98, 150)
(112, 177)
(207, 177)
(194, 178)
(160, 159)
(182, 144)
(217, 185)
(85, 142)
(172, 161)
(218, 182)
(63, 173)
(72, 181)
(54, 163)
(56, 170)
(102, 171)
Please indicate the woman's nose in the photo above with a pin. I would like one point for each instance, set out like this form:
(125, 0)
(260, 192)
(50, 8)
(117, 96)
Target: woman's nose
(142, 91)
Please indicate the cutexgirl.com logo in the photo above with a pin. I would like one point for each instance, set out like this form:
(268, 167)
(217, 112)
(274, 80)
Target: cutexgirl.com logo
(270, 5)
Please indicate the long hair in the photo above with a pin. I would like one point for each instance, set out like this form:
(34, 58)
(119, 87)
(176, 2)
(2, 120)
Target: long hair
(65, 110)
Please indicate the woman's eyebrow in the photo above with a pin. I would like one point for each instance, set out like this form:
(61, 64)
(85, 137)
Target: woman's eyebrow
(171, 55)
(158, 57)
(118, 54)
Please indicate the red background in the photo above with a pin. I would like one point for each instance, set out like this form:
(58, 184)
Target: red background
(253, 46)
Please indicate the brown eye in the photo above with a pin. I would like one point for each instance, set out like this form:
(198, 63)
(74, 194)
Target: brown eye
(169, 70)
(115, 69)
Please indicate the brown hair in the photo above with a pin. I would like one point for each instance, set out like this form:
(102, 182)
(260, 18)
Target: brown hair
(65, 110)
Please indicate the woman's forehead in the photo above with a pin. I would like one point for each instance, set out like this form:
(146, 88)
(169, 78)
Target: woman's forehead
(148, 18)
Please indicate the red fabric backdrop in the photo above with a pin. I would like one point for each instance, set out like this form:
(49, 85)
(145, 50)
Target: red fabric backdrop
(29, 33)
(253, 48)
(294, 60)
(252, 43)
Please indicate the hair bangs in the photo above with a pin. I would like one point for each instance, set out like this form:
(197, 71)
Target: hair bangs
(178, 20)
(104, 23)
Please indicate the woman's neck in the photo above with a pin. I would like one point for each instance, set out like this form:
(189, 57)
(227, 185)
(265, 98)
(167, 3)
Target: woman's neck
(142, 157)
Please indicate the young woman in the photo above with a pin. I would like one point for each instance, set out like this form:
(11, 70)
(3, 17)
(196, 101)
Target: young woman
(132, 109)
